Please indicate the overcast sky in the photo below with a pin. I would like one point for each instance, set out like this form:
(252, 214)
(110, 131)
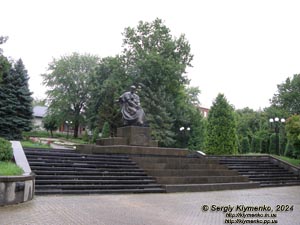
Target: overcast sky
(241, 48)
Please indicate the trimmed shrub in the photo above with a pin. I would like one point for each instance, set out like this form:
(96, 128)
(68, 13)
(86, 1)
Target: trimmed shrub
(289, 150)
(95, 135)
(105, 130)
(245, 145)
(6, 151)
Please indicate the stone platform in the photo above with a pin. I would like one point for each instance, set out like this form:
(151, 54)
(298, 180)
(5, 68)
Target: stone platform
(130, 140)
(177, 170)
(130, 135)
(131, 150)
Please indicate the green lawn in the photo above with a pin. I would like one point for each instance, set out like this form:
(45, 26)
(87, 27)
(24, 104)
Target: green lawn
(10, 169)
(30, 144)
(295, 162)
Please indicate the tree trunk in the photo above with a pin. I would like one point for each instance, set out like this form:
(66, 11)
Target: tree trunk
(76, 129)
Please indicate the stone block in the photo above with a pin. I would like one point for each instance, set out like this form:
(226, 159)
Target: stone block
(112, 141)
(136, 136)
(130, 135)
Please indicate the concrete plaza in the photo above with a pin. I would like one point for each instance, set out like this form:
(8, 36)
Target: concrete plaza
(162, 209)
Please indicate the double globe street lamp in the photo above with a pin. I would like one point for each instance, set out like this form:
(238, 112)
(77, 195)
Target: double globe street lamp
(275, 122)
(184, 131)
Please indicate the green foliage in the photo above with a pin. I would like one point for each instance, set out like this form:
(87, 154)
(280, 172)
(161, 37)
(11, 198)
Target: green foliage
(85, 136)
(15, 100)
(157, 62)
(245, 145)
(107, 84)
(289, 150)
(255, 144)
(293, 133)
(295, 162)
(288, 96)
(198, 132)
(50, 123)
(221, 129)
(6, 151)
(69, 86)
(10, 169)
(3, 39)
(95, 135)
(105, 130)
(31, 144)
(157, 115)
(272, 146)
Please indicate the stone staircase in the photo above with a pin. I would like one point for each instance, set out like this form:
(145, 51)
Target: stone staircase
(179, 174)
(260, 169)
(67, 172)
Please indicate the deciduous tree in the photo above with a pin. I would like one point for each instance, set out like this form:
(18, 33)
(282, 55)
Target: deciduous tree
(288, 95)
(69, 87)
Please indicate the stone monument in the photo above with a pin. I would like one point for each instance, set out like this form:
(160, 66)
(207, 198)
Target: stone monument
(134, 132)
(132, 112)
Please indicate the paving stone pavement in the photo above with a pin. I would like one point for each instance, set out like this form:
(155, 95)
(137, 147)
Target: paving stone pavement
(160, 209)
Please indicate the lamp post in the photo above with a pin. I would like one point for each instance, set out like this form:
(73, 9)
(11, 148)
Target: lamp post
(275, 122)
(184, 130)
(68, 127)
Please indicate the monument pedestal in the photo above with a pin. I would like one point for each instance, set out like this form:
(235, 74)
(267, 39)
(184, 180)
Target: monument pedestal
(130, 135)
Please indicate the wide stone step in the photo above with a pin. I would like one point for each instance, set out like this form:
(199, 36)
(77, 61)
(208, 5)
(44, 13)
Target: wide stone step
(68, 172)
(203, 172)
(73, 158)
(200, 179)
(279, 184)
(77, 168)
(81, 163)
(78, 177)
(210, 187)
(92, 173)
(271, 166)
(100, 191)
(71, 154)
(271, 173)
(102, 186)
(258, 170)
(274, 178)
(260, 161)
(174, 160)
(276, 175)
(261, 170)
(181, 166)
(106, 181)
(76, 159)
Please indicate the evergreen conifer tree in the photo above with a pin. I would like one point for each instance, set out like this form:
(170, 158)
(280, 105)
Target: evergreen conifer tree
(221, 129)
(15, 103)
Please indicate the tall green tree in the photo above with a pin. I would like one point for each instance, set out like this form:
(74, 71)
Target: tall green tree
(221, 129)
(16, 101)
(157, 61)
(288, 95)
(3, 39)
(107, 84)
(50, 123)
(69, 86)
(293, 133)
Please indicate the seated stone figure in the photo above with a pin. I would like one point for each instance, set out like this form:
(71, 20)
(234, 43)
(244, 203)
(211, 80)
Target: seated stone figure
(132, 112)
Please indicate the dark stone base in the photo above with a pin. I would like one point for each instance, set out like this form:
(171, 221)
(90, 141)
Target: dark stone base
(130, 135)
(131, 150)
